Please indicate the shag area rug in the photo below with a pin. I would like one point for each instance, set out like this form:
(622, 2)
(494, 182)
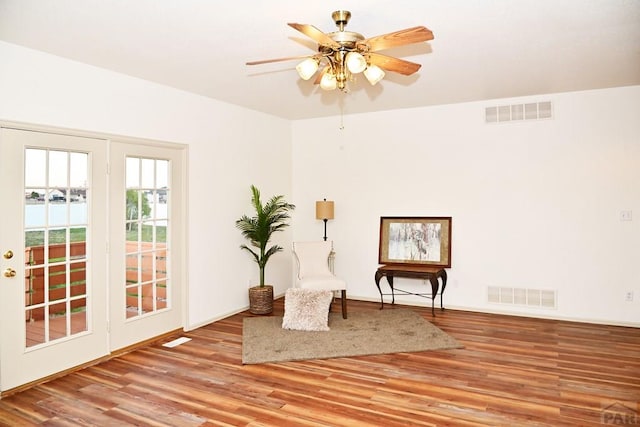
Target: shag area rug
(363, 333)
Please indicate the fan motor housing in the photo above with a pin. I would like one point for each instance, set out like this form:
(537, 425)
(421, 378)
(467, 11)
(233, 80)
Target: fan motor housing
(341, 17)
(345, 37)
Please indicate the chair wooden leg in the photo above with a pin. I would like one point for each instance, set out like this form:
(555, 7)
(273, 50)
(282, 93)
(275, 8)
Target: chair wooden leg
(344, 304)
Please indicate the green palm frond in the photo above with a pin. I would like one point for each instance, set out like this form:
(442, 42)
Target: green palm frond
(271, 217)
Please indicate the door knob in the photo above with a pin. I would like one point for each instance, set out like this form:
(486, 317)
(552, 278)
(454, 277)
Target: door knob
(9, 272)
(8, 254)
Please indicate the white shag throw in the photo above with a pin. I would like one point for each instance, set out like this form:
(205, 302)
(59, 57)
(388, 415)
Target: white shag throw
(306, 309)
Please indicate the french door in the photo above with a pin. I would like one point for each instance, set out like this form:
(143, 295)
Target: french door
(146, 242)
(91, 249)
(52, 242)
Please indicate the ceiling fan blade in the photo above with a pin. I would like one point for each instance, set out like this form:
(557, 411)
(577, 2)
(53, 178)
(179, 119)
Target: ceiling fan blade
(267, 61)
(395, 65)
(398, 38)
(315, 34)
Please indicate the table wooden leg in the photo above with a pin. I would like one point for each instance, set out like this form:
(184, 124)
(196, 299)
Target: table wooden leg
(344, 304)
(393, 292)
(434, 292)
(377, 277)
(443, 275)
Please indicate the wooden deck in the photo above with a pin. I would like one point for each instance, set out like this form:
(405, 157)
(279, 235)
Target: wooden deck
(513, 371)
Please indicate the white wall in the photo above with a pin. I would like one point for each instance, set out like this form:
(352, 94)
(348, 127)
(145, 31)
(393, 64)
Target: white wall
(230, 148)
(534, 204)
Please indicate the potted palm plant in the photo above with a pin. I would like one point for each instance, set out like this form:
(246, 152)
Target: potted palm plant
(258, 229)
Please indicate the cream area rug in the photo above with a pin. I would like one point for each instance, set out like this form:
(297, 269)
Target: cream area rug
(363, 333)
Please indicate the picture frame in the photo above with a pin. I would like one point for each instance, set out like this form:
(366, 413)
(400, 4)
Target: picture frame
(415, 240)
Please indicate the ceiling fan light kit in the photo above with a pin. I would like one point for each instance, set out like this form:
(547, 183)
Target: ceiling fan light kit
(356, 63)
(345, 53)
(374, 74)
(328, 81)
(307, 68)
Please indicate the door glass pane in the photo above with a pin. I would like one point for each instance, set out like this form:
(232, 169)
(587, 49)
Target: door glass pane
(146, 224)
(78, 315)
(35, 213)
(147, 176)
(57, 245)
(57, 321)
(57, 168)
(35, 326)
(78, 246)
(78, 170)
(56, 227)
(78, 210)
(58, 208)
(57, 283)
(161, 294)
(35, 168)
(133, 172)
(162, 173)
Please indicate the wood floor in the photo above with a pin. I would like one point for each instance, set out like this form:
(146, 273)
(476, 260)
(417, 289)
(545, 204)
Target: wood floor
(513, 371)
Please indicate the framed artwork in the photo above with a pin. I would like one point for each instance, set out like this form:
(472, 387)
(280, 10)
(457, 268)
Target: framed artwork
(415, 241)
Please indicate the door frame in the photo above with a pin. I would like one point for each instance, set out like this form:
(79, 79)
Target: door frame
(181, 228)
(140, 327)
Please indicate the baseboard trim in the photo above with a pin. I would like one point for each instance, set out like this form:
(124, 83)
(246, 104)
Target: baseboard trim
(223, 316)
(427, 303)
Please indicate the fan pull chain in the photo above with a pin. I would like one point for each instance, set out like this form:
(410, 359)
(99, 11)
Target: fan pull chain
(341, 127)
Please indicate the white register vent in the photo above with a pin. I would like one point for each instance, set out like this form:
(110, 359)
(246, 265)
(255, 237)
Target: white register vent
(542, 298)
(516, 112)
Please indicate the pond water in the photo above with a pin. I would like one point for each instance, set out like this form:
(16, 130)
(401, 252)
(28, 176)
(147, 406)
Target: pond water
(35, 214)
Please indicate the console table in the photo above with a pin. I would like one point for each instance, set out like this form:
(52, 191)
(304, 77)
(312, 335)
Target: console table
(432, 274)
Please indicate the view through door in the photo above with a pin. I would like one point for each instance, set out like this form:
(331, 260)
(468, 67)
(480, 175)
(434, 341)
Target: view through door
(147, 242)
(53, 240)
(91, 261)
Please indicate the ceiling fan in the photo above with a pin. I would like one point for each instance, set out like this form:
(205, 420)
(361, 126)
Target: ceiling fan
(344, 53)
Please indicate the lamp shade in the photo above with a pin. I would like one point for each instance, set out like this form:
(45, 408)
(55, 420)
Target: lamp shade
(355, 62)
(374, 74)
(307, 68)
(324, 209)
(328, 81)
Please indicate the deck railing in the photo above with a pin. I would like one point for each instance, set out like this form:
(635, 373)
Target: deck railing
(77, 281)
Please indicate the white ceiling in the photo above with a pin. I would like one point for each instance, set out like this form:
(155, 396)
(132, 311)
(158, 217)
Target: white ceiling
(483, 49)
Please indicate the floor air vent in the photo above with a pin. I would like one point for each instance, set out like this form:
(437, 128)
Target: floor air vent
(543, 298)
(516, 112)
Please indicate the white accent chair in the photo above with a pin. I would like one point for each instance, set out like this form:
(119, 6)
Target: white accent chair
(312, 259)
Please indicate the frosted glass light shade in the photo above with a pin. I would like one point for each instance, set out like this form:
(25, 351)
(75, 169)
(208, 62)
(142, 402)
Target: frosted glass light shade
(307, 68)
(328, 81)
(355, 62)
(374, 74)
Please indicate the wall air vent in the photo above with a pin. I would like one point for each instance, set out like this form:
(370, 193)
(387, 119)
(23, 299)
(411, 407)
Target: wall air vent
(542, 298)
(516, 112)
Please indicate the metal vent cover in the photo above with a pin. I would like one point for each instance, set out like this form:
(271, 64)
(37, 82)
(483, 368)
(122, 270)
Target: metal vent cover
(542, 298)
(516, 112)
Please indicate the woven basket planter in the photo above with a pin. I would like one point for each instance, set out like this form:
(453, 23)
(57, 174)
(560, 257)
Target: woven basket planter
(261, 299)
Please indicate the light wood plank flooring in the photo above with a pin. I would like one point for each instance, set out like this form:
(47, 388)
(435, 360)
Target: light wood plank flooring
(513, 371)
